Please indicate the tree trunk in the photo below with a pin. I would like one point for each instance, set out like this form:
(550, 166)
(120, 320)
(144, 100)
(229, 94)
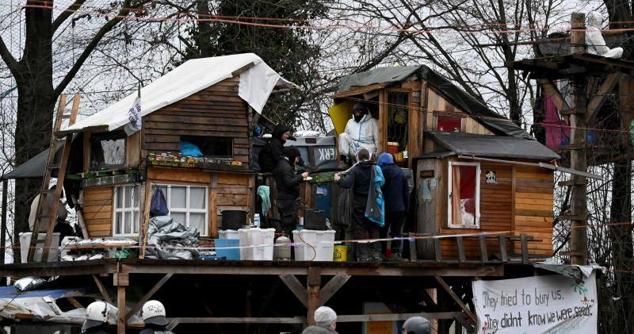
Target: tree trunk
(36, 99)
(203, 39)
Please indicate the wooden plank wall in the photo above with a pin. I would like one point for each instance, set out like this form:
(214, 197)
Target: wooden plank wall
(227, 191)
(496, 205)
(97, 211)
(436, 103)
(216, 112)
(533, 208)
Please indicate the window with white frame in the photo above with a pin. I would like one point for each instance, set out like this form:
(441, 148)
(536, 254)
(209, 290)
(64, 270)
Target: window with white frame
(464, 195)
(126, 210)
(187, 204)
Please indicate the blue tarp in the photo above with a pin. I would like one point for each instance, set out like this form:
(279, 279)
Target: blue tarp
(10, 292)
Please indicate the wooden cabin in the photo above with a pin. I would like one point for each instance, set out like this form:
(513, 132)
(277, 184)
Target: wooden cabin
(476, 172)
(209, 102)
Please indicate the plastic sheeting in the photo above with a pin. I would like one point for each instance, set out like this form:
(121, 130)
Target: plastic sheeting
(256, 83)
(168, 239)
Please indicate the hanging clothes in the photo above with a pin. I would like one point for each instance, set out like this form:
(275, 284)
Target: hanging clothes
(264, 192)
(557, 131)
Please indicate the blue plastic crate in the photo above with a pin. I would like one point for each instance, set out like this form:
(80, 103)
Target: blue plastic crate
(227, 253)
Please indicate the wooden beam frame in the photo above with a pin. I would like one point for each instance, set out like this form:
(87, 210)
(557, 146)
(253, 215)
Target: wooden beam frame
(551, 90)
(148, 295)
(102, 289)
(601, 95)
(313, 283)
(455, 298)
(331, 287)
(293, 284)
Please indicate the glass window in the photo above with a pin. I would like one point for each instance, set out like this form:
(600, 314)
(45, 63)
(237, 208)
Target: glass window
(126, 210)
(188, 205)
(464, 195)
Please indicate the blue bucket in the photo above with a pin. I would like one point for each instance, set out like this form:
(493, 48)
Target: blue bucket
(227, 253)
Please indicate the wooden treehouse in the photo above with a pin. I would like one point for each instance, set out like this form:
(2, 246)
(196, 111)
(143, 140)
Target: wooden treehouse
(483, 192)
(476, 172)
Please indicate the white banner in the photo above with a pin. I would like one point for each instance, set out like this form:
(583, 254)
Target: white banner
(134, 116)
(538, 304)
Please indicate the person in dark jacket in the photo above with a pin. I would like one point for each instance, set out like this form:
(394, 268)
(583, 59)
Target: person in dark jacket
(287, 182)
(273, 151)
(359, 178)
(396, 194)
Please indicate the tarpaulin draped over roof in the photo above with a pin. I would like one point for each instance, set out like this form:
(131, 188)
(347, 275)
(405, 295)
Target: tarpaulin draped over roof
(257, 81)
(32, 168)
(492, 146)
(443, 86)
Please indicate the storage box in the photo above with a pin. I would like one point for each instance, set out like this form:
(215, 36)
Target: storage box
(311, 245)
(228, 253)
(257, 243)
(232, 234)
(25, 241)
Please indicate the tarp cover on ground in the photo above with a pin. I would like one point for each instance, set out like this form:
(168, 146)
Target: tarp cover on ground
(539, 304)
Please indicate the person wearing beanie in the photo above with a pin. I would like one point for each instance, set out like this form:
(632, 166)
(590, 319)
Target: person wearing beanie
(359, 179)
(396, 194)
(287, 183)
(273, 151)
(325, 322)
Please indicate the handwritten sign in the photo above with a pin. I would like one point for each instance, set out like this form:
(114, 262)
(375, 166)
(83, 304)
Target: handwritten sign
(539, 304)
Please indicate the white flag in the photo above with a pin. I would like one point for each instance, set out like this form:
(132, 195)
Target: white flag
(134, 116)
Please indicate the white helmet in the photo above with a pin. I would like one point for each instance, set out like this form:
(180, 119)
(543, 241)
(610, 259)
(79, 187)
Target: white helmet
(153, 312)
(416, 325)
(96, 315)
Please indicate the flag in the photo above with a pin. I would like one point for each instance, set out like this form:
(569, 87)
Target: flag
(134, 116)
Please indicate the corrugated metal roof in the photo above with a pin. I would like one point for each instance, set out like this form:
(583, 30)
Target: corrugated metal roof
(493, 146)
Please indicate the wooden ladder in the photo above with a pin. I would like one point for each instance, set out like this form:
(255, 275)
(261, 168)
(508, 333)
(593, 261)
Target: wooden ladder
(50, 217)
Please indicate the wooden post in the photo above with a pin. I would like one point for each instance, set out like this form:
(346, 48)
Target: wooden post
(145, 219)
(121, 281)
(383, 117)
(3, 221)
(314, 285)
(578, 124)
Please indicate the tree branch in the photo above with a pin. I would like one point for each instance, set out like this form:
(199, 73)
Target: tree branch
(6, 56)
(125, 9)
(67, 13)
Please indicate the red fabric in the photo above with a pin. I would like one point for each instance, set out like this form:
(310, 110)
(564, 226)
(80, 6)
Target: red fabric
(467, 182)
(449, 124)
(557, 133)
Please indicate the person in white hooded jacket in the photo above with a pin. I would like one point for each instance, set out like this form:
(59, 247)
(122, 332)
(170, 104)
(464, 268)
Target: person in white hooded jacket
(362, 131)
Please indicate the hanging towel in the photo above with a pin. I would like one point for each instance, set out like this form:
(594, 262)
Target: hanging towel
(264, 192)
(375, 206)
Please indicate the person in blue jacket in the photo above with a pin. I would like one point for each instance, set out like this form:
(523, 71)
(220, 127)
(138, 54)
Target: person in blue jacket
(396, 194)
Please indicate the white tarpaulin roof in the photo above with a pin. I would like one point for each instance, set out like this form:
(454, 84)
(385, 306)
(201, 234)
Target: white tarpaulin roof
(257, 81)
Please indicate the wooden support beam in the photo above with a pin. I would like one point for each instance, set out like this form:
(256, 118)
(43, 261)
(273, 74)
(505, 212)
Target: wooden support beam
(484, 257)
(331, 287)
(121, 321)
(524, 246)
(102, 289)
(551, 90)
(602, 94)
(383, 121)
(314, 284)
(148, 295)
(455, 298)
(145, 219)
(293, 284)
(437, 255)
(412, 249)
(503, 255)
(460, 245)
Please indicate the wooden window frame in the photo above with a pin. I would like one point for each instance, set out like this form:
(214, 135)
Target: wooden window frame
(449, 195)
(188, 210)
(134, 210)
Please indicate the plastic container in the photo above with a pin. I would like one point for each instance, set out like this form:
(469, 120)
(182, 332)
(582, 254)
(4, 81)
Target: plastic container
(258, 243)
(256, 220)
(282, 250)
(235, 235)
(311, 245)
(227, 253)
(341, 253)
(25, 241)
